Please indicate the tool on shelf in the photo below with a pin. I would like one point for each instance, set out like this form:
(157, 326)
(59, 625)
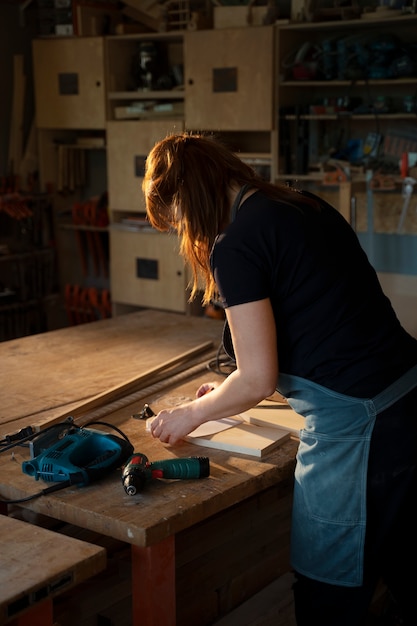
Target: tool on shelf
(86, 304)
(407, 192)
(382, 182)
(139, 471)
(335, 173)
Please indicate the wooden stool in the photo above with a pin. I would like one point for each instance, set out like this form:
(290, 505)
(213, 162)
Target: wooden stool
(36, 565)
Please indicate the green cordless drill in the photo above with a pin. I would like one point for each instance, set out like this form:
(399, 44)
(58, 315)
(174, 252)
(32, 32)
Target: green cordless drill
(138, 470)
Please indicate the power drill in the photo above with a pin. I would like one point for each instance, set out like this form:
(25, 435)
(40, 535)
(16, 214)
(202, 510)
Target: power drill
(138, 470)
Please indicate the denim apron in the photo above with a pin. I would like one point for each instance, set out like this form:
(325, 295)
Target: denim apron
(329, 510)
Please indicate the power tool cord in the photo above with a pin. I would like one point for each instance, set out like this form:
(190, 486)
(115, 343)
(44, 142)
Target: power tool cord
(222, 364)
(43, 492)
(121, 433)
(27, 434)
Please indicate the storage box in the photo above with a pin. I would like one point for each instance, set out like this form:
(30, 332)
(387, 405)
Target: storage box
(231, 17)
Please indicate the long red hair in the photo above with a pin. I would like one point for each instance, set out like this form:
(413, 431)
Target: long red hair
(186, 186)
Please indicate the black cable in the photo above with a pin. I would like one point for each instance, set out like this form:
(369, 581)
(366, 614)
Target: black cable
(18, 442)
(121, 433)
(222, 365)
(57, 487)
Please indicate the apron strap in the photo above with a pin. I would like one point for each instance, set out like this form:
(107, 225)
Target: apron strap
(238, 199)
(396, 390)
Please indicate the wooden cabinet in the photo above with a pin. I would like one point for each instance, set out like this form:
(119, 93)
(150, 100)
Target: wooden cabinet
(230, 86)
(146, 270)
(230, 90)
(128, 144)
(69, 82)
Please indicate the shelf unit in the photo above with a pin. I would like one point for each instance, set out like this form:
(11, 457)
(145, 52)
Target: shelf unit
(28, 267)
(70, 89)
(244, 90)
(144, 76)
(230, 94)
(145, 101)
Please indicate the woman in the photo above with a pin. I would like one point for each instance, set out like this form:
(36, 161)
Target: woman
(306, 316)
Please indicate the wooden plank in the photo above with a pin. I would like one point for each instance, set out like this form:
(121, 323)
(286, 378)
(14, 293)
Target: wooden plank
(274, 415)
(43, 375)
(134, 383)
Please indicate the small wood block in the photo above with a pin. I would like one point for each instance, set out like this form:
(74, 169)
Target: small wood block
(275, 415)
(244, 439)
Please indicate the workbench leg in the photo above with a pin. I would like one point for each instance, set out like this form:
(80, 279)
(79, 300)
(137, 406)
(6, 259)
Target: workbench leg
(153, 584)
(41, 614)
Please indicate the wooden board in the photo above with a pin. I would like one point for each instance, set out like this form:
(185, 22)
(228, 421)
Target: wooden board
(275, 415)
(43, 375)
(244, 439)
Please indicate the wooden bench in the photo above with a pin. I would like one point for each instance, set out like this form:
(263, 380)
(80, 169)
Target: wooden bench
(38, 564)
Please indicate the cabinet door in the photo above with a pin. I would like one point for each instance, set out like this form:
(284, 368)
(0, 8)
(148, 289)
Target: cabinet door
(230, 85)
(147, 270)
(128, 144)
(69, 83)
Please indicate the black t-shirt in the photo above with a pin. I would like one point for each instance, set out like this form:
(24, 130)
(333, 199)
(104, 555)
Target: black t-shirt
(334, 324)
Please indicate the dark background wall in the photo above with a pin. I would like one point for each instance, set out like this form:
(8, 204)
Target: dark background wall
(18, 26)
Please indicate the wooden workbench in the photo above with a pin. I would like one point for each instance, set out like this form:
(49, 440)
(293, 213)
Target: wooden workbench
(37, 565)
(204, 545)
